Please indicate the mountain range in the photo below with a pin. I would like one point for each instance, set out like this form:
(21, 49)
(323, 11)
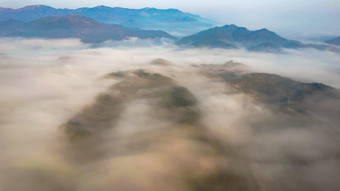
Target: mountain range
(232, 36)
(171, 20)
(75, 26)
(99, 24)
(334, 41)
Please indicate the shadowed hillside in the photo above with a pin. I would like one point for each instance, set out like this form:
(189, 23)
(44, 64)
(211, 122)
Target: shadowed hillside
(75, 26)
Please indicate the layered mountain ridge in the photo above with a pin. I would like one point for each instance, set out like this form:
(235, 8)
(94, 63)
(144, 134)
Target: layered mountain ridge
(232, 36)
(172, 20)
(75, 26)
(101, 23)
(334, 41)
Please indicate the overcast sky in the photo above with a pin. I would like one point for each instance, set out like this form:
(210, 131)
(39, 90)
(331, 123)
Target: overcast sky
(287, 17)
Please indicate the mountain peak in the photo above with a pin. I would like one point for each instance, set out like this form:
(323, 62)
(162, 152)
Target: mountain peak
(230, 26)
(173, 10)
(102, 7)
(149, 8)
(160, 62)
(33, 7)
(264, 30)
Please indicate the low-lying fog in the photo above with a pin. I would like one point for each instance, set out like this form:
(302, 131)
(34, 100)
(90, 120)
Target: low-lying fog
(236, 142)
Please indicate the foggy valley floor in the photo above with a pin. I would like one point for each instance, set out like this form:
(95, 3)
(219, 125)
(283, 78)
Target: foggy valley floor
(124, 118)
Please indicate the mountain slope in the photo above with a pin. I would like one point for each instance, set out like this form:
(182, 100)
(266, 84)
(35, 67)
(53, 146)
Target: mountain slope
(75, 26)
(271, 89)
(334, 41)
(233, 36)
(146, 18)
(30, 13)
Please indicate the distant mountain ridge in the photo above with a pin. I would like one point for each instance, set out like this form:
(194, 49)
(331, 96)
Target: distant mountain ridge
(75, 26)
(47, 22)
(334, 41)
(172, 20)
(232, 36)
